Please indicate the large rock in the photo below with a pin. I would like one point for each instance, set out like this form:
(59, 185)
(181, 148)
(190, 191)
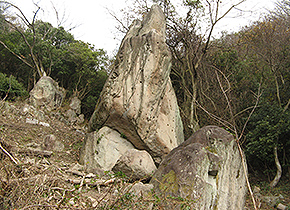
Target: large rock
(46, 93)
(138, 99)
(136, 165)
(205, 170)
(102, 149)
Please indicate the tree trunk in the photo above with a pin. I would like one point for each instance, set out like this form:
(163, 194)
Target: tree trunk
(279, 169)
(194, 125)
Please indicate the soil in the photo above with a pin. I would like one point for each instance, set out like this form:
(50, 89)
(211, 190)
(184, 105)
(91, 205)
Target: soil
(33, 178)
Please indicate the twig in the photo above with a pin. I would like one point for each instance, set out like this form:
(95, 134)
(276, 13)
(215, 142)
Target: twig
(9, 155)
(82, 182)
(42, 205)
(246, 176)
(88, 182)
(36, 152)
(99, 201)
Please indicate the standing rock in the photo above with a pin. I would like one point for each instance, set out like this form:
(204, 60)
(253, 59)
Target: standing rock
(205, 170)
(136, 165)
(46, 93)
(138, 99)
(102, 149)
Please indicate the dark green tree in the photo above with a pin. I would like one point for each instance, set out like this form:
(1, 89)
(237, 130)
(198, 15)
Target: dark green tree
(31, 49)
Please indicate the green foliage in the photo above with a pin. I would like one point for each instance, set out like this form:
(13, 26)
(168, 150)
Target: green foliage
(196, 4)
(100, 138)
(269, 127)
(77, 66)
(11, 87)
(122, 135)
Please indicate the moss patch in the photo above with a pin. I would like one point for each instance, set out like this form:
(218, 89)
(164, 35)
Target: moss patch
(169, 183)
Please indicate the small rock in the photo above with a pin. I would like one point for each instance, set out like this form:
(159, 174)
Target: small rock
(281, 207)
(136, 165)
(76, 105)
(50, 143)
(46, 93)
(72, 116)
(32, 121)
(71, 201)
(44, 124)
(140, 189)
(102, 149)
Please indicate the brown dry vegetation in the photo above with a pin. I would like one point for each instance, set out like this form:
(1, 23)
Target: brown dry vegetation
(55, 180)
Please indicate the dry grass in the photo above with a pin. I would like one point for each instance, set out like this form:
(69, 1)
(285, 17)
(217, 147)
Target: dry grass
(40, 181)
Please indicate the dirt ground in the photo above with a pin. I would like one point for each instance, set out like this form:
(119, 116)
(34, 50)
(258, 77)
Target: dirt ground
(33, 179)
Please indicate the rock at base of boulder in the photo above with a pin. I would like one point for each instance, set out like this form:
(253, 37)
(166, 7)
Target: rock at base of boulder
(206, 170)
(102, 149)
(136, 165)
(139, 189)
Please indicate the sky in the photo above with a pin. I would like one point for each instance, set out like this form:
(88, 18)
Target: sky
(94, 24)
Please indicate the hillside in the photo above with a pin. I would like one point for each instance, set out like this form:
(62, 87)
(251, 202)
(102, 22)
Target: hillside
(52, 179)
(44, 179)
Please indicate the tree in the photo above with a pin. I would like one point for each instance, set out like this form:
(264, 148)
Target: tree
(35, 48)
(82, 70)
(269, 41)
(269, 132)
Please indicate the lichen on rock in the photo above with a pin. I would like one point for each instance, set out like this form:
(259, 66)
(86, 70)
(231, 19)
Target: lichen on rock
(206, 169)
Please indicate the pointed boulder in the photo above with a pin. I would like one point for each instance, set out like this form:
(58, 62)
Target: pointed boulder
(138, 99)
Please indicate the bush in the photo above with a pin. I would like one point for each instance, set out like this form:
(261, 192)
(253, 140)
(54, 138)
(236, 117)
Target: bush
(11, 87)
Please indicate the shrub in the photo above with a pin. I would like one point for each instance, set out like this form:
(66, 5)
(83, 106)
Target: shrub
(11, 87)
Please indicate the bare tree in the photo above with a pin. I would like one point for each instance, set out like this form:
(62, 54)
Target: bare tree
(36, 63)
(22, 24)
(189, 43)
(231, 124)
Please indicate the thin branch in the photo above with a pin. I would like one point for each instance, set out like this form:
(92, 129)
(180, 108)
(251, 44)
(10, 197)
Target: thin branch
(25, 20)
(114, 16)
(250, 115)
(9, 155)
(246, 176)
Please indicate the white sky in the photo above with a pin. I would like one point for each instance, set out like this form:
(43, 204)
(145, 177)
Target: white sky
(96, 26)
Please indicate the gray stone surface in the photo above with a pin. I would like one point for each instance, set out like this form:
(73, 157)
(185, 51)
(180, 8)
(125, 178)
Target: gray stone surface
(139, 189)
(46, 93)
(138, 99)
(136, 165)
(75, 105)
(206, 170)
(102, 149)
